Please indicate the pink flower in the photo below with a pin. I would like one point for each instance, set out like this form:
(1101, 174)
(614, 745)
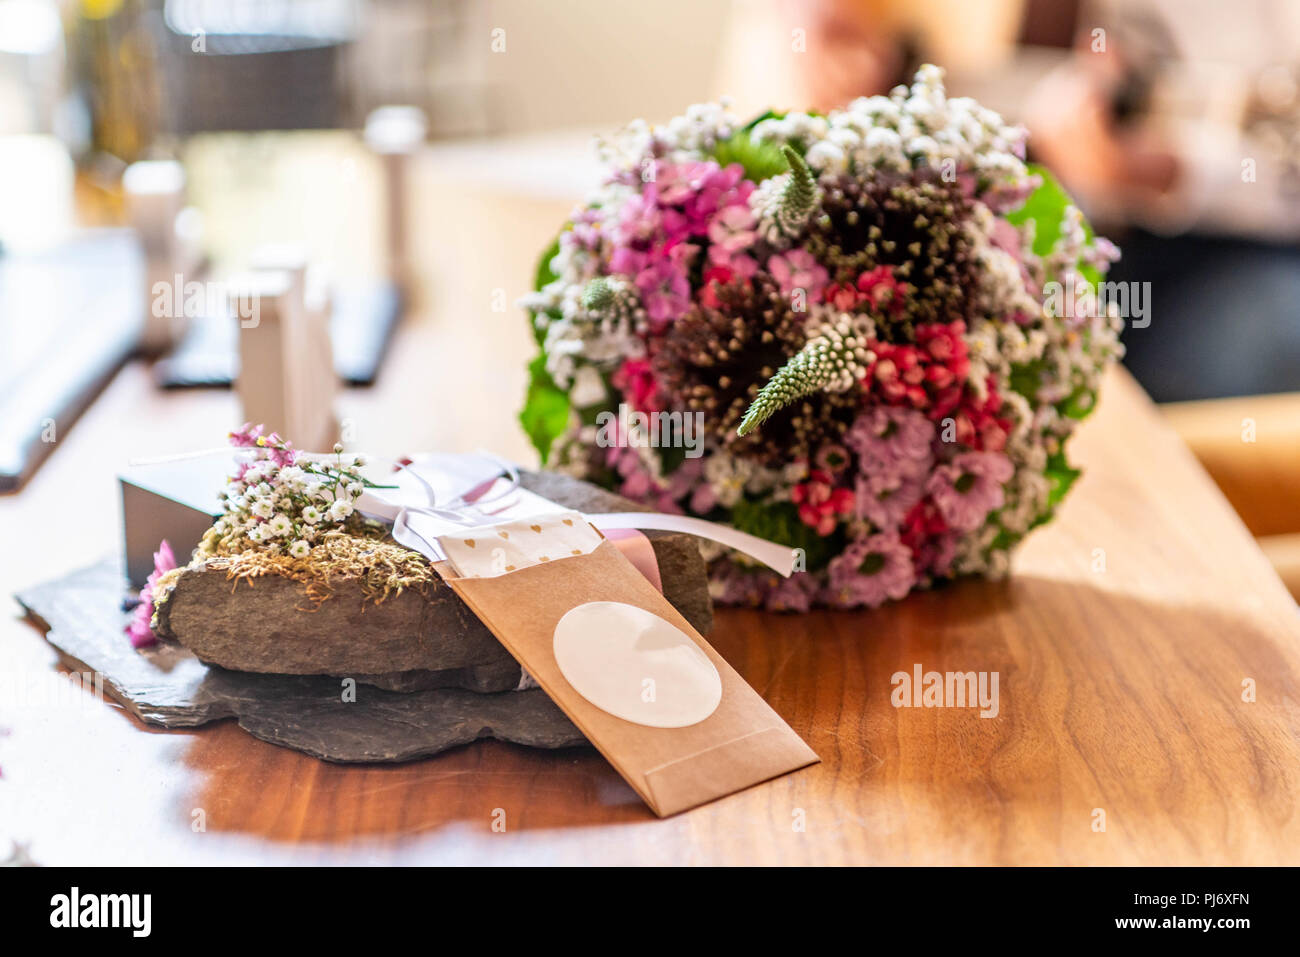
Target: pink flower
(797, 269)
(832, 458)
(969, 487)
(871, 570)
(246, 436)
(737, 263)
(664, 290)
(140, 630)
(733, 229)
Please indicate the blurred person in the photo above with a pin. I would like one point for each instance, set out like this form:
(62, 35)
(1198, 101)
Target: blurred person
(1181, 120)
(819, 54)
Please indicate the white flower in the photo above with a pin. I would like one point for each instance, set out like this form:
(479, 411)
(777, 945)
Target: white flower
(355, 489)
(340, 510)
(359, 461)
(254, 534)
(827, 157)
(293, 477)
(727, 477)
(588, 388)
(311, 515)
(279, 525)
(300, 549)
(262, 508)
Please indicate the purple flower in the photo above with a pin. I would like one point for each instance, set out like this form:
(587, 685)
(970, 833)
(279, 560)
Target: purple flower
(884, 499)
(797, 269)
(969, 487)
(892, 440)
(871, 570)
(732, 585)
(795, 593)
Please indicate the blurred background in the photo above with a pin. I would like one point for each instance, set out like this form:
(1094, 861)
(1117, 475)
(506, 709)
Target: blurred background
(402, 162)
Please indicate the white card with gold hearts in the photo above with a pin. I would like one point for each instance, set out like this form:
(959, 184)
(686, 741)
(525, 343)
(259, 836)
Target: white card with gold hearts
(487, 551)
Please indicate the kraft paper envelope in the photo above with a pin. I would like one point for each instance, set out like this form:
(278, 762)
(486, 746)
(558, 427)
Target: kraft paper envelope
(742, 743)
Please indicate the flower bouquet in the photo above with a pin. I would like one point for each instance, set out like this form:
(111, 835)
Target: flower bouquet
(840, 332)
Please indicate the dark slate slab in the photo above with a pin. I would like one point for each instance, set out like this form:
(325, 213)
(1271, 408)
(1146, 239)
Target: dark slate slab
(167, 685)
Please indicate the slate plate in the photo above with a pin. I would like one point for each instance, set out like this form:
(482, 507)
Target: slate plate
(167, 686)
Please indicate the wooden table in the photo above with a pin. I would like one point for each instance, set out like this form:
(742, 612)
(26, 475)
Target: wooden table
(1123, 643)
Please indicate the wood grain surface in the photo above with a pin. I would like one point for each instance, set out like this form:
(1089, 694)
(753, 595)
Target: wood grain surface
(1123, 642)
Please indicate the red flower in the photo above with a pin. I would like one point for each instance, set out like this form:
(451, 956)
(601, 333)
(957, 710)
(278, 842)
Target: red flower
(930, 375)
(923, 531)
(882, 290)
(714, 276)
(820, 503)
(876, 288)
(637, 381)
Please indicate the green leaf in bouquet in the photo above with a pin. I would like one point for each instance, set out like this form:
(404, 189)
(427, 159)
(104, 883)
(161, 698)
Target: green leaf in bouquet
(759, 160)
(1079, 404)
(765, 115)
(1061, 475)
(779, 522)
(1027, 377)
(544, 275)
(545, 414)
(1046, 207)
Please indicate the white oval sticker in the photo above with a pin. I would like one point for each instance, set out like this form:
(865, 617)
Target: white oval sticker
(635, 665)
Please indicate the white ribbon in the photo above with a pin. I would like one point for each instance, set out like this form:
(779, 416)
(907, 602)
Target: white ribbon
(438, 494)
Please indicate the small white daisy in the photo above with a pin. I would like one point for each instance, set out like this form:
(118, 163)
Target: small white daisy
(311, 515)
(279, 525)
(300, 549)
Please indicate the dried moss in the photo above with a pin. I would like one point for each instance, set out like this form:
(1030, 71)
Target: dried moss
(381, 566)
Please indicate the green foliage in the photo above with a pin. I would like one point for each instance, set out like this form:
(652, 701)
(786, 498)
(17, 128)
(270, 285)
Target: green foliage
(780, 523)
(545, 414)
(760, 160)
(1061, 476)
(1046, 207)
(1026, 377)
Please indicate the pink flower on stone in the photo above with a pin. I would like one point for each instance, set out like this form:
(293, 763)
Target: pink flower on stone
(969, 487)
(139, 630)
(797, 269)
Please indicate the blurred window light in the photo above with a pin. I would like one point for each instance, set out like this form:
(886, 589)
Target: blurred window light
(30, 27)
(324, 19)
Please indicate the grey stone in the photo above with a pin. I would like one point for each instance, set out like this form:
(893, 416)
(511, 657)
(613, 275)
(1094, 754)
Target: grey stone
(167, 685)
(415, 640)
